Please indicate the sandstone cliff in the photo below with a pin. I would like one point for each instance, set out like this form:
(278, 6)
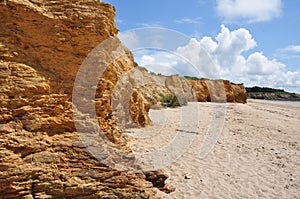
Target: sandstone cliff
(200, 90)
(54, 37)
(42, 45)
(152, 87)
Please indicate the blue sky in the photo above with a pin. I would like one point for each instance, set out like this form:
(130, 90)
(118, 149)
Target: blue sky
(263, 36)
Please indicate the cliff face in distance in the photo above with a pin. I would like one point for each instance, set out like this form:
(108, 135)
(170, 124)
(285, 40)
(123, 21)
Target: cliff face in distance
(271, 94)
(153, 87)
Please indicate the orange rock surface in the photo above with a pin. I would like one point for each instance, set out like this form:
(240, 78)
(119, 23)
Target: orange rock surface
(152, 87)
(42, 45)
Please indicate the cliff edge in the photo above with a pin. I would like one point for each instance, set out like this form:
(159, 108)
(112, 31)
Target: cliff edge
(152, 89)
(42, 45)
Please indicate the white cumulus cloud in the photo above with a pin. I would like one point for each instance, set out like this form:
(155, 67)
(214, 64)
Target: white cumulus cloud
(230, 45)
(258, 64)
(223, 57)
(249, 10)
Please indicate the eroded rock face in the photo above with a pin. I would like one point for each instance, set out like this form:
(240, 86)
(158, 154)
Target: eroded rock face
(240, 93)
(152, 87)
(203, 90)
(180, 86)
(42, 45)
(54, 36)
(25, 96)
(139, 109)
(41, 155)
(200, 89)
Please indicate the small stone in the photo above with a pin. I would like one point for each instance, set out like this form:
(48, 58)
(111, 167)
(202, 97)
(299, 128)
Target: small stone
(168, 189)
(187, 176)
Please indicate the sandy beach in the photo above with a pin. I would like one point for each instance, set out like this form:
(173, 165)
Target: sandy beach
(256, 154)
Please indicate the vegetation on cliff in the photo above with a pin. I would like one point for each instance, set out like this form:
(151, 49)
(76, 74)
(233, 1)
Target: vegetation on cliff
(271, 94)
(172, 100)
(189, 87)
(257, 89)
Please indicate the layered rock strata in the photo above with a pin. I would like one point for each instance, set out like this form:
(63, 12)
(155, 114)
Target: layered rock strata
(42, 46)
(152, 87)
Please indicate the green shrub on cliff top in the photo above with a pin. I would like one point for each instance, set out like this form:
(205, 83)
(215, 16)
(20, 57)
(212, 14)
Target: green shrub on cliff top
(172, 100)
(192, 78)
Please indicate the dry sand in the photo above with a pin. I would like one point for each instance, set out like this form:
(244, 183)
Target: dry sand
(256, 155)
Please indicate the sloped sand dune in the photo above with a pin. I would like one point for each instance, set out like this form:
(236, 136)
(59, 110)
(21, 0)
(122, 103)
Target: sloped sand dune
(257, 154)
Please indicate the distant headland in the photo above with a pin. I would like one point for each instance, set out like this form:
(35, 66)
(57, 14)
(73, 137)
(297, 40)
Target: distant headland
(271, 94)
